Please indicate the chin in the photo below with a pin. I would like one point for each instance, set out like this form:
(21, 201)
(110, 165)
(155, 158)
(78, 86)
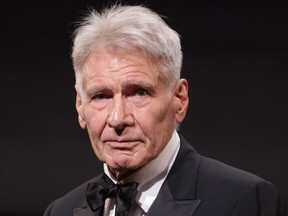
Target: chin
(126, 165)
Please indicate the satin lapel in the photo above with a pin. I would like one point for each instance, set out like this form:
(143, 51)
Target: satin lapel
(84, 212)
(182, 178)
(178, 194)
(166, 205)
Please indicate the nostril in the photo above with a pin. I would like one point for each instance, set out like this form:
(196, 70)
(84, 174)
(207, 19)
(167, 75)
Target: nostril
(119, 131)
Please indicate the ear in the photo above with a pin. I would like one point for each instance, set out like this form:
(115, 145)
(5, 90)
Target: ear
(79, 108)
(181, 100)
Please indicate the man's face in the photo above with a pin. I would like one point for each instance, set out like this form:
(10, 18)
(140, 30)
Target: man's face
(127, 108)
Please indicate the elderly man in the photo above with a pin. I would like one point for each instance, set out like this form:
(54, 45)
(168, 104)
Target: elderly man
(130, 98)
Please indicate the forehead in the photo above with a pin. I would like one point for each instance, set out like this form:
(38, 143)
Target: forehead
(115, 64)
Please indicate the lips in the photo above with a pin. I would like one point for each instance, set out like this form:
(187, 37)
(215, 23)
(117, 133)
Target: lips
(127, 140)
(122, 144)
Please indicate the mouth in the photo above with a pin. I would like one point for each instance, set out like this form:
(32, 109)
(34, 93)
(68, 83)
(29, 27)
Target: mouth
(122, 144)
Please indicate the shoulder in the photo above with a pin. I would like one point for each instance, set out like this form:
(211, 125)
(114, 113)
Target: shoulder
(239, 191)
(213, 172)
(219, 172)
(65, 205)
(224, 189)
(220, 177)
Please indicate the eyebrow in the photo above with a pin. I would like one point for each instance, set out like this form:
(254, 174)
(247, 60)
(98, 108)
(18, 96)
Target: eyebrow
(139, 84)
(95, 89)
(126, 85)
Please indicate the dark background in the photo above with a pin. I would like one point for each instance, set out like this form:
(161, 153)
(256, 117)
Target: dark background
(235, 59)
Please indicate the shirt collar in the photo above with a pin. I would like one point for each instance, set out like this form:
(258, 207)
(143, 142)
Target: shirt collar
(151, 176)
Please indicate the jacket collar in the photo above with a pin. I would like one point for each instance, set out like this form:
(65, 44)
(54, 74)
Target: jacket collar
(178, 194)
(184, 172)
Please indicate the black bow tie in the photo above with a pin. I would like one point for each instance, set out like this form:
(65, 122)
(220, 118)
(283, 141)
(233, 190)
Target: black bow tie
(124, 195)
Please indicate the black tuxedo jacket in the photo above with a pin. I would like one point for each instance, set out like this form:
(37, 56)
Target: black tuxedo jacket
(195, 186)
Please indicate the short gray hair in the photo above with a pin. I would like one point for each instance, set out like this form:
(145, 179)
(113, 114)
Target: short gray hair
(129, 28)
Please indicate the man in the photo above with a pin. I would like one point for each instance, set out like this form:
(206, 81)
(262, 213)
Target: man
(131, 99)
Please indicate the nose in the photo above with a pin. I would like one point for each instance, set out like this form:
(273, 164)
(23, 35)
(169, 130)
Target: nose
(120, 115)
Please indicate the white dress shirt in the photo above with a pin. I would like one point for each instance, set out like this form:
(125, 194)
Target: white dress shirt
(150, 179)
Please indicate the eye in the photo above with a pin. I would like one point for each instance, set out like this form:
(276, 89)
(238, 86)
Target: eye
(100, 96)
(141, 92)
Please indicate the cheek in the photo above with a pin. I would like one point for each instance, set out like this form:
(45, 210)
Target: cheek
(96, 121)
(162, 119)
(157, 126)
(95, 125)
(95, 141)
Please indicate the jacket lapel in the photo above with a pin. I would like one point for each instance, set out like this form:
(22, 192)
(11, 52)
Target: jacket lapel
(166, 205)
(178, 193)
(84, 211)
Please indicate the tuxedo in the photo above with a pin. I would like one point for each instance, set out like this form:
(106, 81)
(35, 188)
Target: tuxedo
(195, 186)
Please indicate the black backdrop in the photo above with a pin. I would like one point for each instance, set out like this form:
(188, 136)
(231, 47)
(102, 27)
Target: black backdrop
(235, 59)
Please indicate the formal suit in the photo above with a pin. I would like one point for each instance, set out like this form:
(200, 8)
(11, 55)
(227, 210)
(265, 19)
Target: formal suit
(195, 186)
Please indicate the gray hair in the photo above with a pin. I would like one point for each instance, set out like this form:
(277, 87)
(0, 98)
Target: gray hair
(128, 28)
